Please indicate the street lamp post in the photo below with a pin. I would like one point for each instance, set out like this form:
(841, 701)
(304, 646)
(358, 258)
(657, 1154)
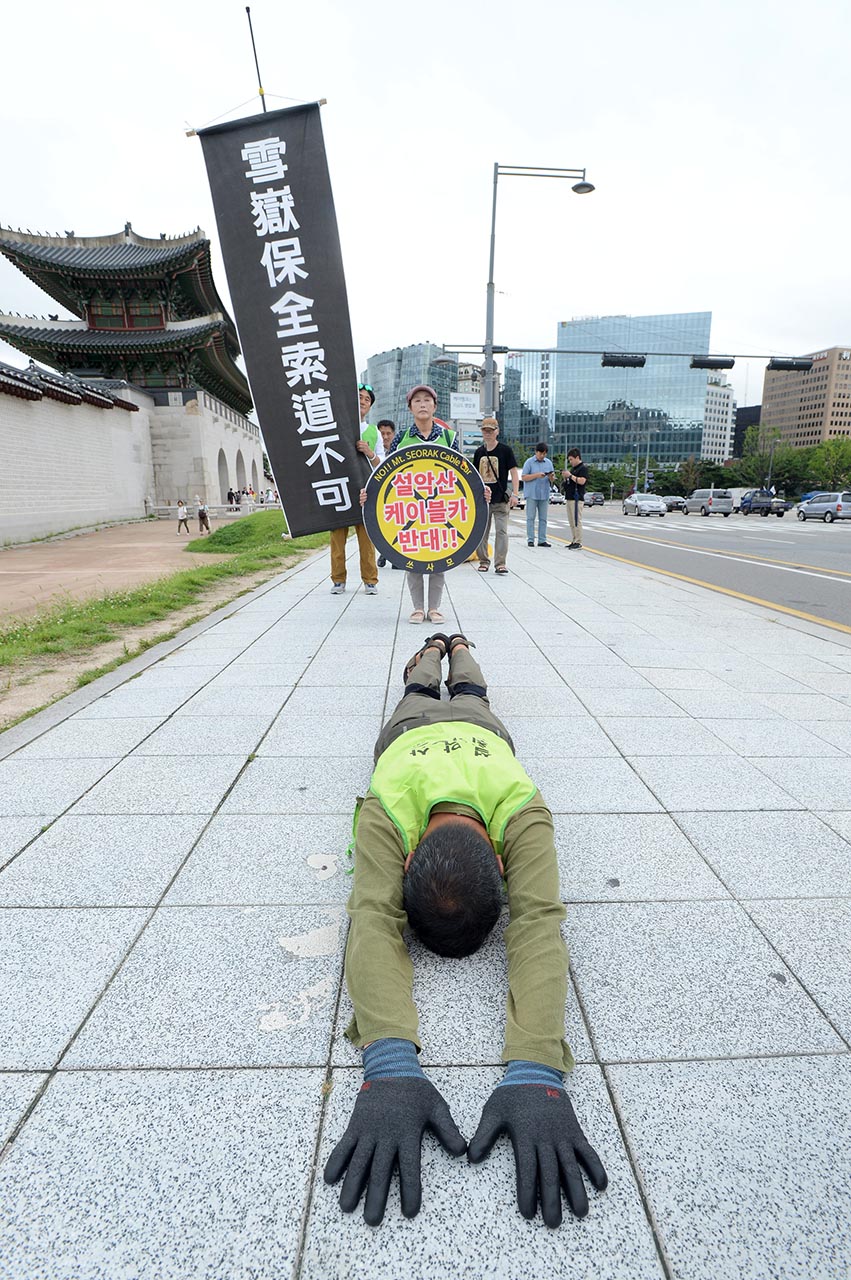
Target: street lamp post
(582, 188)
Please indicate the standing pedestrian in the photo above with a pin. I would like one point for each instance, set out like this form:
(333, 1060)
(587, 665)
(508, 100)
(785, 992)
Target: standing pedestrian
(386, 432)
(495, 463)
(203, 516)
(182, 517)
(422, 401)
(536, 475)
(368, 568)
(575, 480)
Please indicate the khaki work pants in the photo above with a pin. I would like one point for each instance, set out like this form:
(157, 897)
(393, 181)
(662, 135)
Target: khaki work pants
(368, 567)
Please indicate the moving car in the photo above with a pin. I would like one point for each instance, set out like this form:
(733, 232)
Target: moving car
(644, 504)
(763, 502)
(709, 502)
(593, 499)
(827, 507)
(674, 502)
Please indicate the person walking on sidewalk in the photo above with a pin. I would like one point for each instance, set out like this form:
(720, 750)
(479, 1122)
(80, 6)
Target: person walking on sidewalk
(497, 465)
(448, 814)
(536, 476)
(575, 478)
(203, 516)
(368, 568)
(422, 401)
(182, 517)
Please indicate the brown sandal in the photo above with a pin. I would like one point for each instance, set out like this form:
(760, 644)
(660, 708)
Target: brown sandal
(429, 644)
(454, 640)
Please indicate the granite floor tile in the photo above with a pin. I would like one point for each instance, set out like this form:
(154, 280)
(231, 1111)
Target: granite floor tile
(772, 855)
(339, 702)
(29, 788)
(221, 987)
(224, 703)
(839, 821)
(443, 988)
(469, 1211)
(162, 784)
(302, 735)
(16, 832)
(630, 858)
(687, 980)
(274, 859)
(582, 677)
(706, 704)
(95, 861)
(580, 784)
(191, 1175)
(53, 965)
(197, 737)
(660, 736)
(814, 939)
(260, 675)
(769, 738)
(834, 732)
(511, 700)
(17, 1090)
(132, 702)
(161, 676)
(730, 783)
(817, 784)
(89, 739)
(568, 735)
(694, 678)
(803, 708)
(644, 703)
(295, 784)
(773, 1200)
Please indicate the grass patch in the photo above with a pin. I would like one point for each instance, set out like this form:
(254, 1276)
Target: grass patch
(253, 544)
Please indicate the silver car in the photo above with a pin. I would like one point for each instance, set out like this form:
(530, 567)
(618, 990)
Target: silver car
(644, 504)
(709, 502)
(827, 507)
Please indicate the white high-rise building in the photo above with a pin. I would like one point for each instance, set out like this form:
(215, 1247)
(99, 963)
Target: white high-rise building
(719, 420)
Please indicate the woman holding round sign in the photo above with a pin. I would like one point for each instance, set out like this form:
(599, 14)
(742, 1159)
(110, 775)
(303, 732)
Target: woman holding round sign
(425, 505)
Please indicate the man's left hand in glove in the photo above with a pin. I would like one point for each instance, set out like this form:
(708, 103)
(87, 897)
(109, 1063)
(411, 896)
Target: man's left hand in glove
(550, 1150)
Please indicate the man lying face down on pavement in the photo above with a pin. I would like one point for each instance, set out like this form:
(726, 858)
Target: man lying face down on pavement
(448, 813)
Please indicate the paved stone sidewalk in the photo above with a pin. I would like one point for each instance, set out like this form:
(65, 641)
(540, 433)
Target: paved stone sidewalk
(172, 929)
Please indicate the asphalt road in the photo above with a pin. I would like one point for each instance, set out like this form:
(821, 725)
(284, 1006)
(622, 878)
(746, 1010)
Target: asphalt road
(804, 568)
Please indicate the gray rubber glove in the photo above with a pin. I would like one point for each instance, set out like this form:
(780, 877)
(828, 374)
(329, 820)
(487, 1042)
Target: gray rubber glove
(385, 1132)
(550, 1149)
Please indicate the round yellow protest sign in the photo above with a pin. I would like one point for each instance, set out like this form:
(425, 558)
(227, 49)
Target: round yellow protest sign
(425, 508)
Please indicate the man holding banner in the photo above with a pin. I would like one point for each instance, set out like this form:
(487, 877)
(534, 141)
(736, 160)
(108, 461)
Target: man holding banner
(366, 446)
(448, 814)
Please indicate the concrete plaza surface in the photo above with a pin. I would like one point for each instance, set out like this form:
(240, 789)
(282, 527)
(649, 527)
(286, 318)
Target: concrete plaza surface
(173, 1071)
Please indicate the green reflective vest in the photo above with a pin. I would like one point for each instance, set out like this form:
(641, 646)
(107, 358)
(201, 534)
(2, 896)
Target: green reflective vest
(369, 433)
(446, 438)
(451, 761)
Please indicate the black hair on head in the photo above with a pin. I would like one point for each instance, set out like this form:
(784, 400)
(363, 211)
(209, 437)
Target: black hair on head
(452, 890)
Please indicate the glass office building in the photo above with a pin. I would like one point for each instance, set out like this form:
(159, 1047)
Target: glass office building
(571, 399)
(391, 374)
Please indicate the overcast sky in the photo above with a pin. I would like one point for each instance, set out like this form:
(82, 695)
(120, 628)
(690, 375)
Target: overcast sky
(716, 135)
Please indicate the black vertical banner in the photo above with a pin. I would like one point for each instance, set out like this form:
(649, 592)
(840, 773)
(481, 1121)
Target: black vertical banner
(278, 231)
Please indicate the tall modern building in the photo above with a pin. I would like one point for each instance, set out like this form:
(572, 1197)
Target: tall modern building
(814, 406)
(571, 399)
(391, 374)
(747, 415)
(719, 422)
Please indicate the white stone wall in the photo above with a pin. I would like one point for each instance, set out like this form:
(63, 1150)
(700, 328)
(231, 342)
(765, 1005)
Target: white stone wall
(69, 466)
(66, 466)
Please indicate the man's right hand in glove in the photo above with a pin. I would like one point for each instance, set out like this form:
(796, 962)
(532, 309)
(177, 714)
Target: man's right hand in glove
(395, 1106)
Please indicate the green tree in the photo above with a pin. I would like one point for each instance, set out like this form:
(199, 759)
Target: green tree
(690, 474)
(831, 463)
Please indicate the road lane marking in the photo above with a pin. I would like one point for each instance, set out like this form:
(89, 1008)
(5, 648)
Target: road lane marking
(726, 591)
(746, 557)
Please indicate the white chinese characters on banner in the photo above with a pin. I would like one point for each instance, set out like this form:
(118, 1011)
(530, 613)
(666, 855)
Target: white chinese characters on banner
(273, 214)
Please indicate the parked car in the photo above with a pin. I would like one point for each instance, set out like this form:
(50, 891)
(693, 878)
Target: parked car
(644, 504)
(709, 502)
(827, 507)
(593, 499)
(674, 502)
(521, 500)
(557, 497)
(763, 502)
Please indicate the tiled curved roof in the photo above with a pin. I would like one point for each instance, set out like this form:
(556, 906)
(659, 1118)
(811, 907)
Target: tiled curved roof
(78, 337)
(97, 259)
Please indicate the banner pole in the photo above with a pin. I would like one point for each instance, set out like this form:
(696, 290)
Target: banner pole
(256, 63)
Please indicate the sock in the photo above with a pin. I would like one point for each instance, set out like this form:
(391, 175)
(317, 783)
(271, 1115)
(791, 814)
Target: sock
(391, 1059)
(520, 1072)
